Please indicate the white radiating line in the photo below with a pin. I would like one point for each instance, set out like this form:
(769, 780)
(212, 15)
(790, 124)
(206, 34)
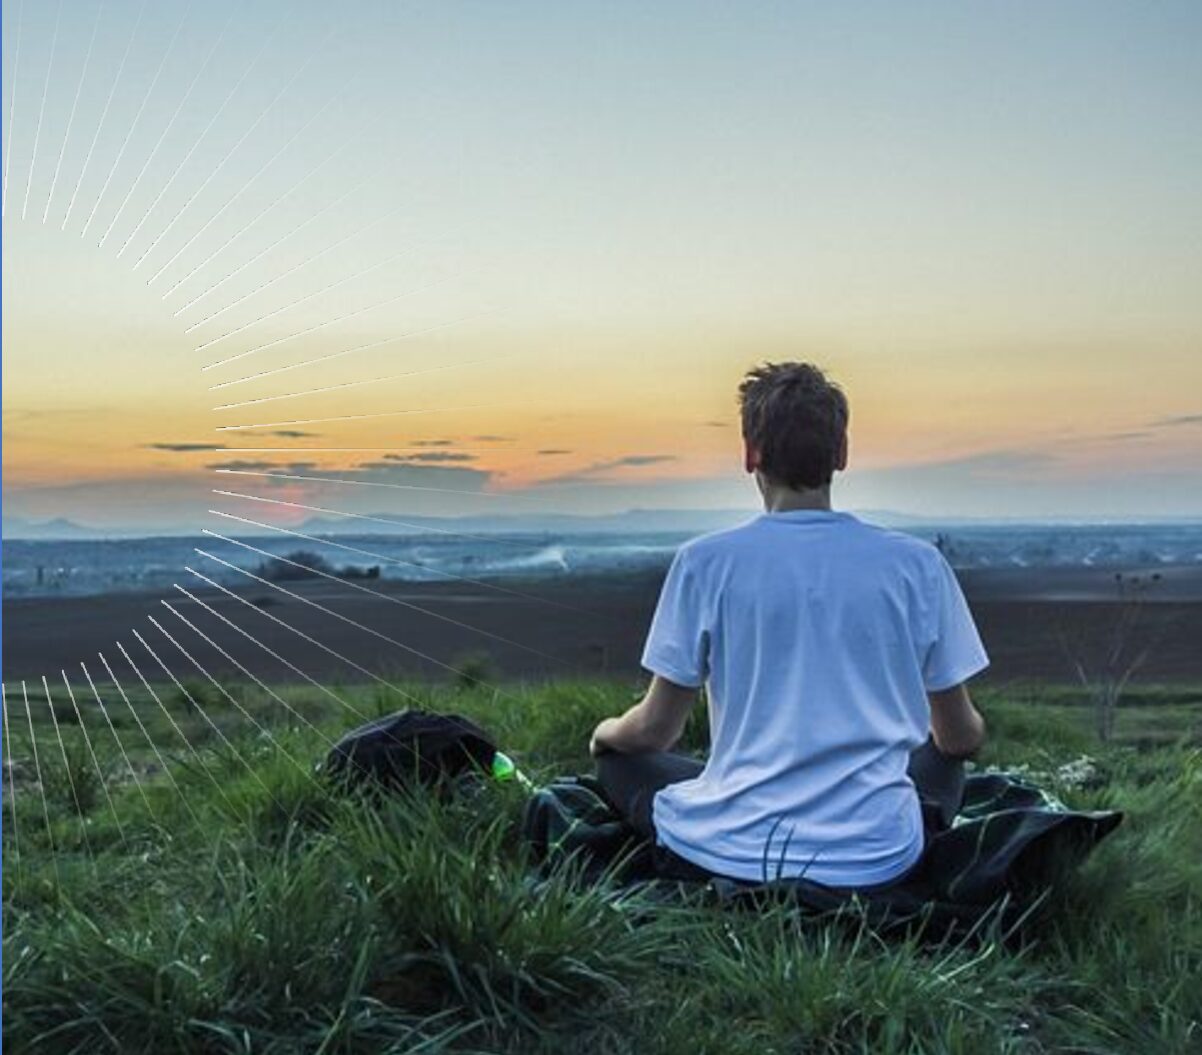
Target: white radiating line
(37, 134)
(71, 117)
(120, 746)
(134, 123)
(195, 703)
(37, 769)
(159, 142)
(150, 740)
(368, 483)
(221, 164)
(67, 770)
(354, 417)
(366, 381)
(419, 528)
(226, 693)
(390, 598)
(104, 784)
(296, 267)
(242, 229)
(12, 788)
(409, 564)
(292, 231)
(12, 109)
(329, 322)
(174, 725)
(346, 619)
(356, 348)
(305, 299)
(271, 652)
(271, 692)
(103, 114)
(300, 633)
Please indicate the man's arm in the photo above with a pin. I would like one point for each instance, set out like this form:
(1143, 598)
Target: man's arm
(957, 727)
(655, 723)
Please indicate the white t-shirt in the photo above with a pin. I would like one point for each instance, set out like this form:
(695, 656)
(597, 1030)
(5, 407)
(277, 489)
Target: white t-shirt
(818, 636)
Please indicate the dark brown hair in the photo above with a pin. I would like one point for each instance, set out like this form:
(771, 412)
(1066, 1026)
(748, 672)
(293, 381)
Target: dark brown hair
(796, 419)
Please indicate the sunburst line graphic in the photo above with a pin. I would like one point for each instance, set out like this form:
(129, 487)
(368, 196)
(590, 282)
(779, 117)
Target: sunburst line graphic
(140, 187)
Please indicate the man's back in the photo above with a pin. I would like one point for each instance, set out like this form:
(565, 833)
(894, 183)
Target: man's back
(820, 637)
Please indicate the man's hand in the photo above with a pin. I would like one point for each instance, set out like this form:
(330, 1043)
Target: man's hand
(597, 745)
(653, 724)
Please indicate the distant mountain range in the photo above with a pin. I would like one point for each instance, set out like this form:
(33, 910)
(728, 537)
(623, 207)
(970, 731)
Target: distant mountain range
(632, 521)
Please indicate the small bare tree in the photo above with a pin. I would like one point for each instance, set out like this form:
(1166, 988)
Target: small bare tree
(1105, 670)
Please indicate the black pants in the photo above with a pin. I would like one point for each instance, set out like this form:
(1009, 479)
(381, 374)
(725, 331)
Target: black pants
(631, 781)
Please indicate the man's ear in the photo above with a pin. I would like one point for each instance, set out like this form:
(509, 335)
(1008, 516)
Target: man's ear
(841, 459)
(751, 457)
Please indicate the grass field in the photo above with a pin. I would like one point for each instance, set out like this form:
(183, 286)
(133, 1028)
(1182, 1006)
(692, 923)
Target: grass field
(193, 889)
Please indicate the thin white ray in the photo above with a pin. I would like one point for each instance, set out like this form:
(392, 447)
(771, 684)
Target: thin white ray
(103, 114)
(418, 528)
(263, 730)
(291, 232)
(37, 770)
(390, 598)
(137, 117)
(355, 417)
(104, 784)
(271, 652)
(204, 714)
(120, 746)
(159, 142)
(409, 564)
(243, 228)
(366, 381)
(270, 691)
(373, 222)
(174, 725)
(330, 322)
(221, 164)
(12, 109)
(357, 348)
(163, 767)
(305, 299)
(37, 134)
(369, 483)
(12, 787)
(83, 73)
(83, 827)
(300, 633)
(342, 618)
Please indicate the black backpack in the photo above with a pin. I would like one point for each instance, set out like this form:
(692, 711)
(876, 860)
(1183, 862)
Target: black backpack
(410, 747)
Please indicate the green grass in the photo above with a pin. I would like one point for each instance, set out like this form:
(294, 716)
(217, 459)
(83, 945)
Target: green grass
(221, 901)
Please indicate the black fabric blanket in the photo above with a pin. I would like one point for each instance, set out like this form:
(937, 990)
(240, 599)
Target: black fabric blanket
(1007, 846)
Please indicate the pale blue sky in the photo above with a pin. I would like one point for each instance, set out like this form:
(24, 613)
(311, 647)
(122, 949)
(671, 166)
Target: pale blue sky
(983, 218)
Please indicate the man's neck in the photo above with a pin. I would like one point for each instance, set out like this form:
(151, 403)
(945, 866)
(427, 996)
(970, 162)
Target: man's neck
(783, 499)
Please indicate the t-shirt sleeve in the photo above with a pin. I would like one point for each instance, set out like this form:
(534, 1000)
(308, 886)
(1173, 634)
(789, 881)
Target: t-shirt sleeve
(677, 645)
(955, 653)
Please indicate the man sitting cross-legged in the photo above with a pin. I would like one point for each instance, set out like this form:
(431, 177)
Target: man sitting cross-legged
(835, 655)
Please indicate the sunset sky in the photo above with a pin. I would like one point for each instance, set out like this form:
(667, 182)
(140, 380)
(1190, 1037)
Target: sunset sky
(468, 258)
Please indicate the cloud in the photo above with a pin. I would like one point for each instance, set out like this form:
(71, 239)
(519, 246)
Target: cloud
(431, 443)
(595, 472)
(247, 465)
(291, 434)
(492, 439)
(430, 456)
(554, 450)
(182, 448)
(716, 424)
(1174, 422)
